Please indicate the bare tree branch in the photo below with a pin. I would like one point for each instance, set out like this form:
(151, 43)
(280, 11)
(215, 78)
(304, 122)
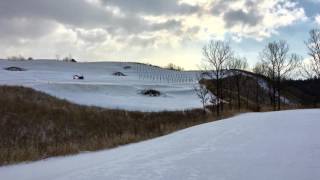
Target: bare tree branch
(312, 69)
(217, 54)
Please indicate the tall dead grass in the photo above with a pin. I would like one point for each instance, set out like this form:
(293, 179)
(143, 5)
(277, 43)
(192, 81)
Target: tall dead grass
(34, 125)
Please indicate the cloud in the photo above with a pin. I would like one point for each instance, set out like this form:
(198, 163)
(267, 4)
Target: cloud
(72, 12)
(240, 17)
(317, 19)
(15, 30)
(257, 19)
(152, 7)
(314, 1)
(93, 35)
(102, 28)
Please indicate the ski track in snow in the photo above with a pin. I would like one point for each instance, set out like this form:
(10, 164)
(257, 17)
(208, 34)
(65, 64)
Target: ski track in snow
(264, 146)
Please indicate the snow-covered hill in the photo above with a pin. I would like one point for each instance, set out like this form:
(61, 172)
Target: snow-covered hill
(264, 146)
(101, 88)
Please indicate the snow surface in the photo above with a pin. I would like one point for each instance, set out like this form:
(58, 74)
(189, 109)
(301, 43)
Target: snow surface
(255, 146)
(101, 88)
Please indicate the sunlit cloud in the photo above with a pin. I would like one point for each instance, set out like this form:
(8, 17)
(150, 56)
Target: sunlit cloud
(317, 19)
(125, 29)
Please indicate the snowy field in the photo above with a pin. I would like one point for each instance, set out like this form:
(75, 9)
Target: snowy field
(254, 146)
(101, 88)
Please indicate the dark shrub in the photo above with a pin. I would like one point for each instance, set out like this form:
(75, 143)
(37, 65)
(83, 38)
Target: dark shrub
(151, 92)
(78, 77)
(13, 68)
(119, 74)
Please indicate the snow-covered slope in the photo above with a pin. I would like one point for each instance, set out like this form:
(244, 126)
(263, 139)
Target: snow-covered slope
(101, 88)
(276, 145)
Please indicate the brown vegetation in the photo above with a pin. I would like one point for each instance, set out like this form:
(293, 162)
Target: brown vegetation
(35, 126)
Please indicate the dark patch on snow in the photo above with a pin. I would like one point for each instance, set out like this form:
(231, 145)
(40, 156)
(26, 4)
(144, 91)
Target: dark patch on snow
(205, 74)
(151, 92)
(13, 68)
(119, 74)
(80, 77)
(127, 67)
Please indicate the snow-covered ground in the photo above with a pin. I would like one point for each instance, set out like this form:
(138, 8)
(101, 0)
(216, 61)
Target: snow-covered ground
(276, 145)
(101, 88)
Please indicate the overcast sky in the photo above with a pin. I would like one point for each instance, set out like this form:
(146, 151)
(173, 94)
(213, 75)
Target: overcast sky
(152, 31)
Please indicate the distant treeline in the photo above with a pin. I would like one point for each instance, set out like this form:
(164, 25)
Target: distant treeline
(268, 82)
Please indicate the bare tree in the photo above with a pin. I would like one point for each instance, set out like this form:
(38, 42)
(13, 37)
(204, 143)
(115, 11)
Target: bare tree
(203, 94)
(216, 55)
(280, 65)
(237, 65)
(259, 69)
(57, 57)
(312, 69)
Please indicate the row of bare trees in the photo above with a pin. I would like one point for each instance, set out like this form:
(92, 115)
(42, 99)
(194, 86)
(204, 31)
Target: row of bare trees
(311, 69)
(237, 64)
(275, 62)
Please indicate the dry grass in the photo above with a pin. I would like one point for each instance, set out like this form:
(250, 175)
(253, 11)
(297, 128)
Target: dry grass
(36, 126)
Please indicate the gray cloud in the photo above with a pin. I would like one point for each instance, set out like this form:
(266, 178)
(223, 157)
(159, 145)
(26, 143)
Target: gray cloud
(169, 25)
(93, 36)
(218, 7)
(79, 13)
(18, 31)
(251, 16)
(234, 17)
(81, 24)
(154, 7)
(73, 12)
(24, 27)
(137, 41)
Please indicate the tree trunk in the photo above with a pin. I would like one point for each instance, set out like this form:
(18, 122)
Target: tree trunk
(217, 97)
(279, 96)
(238, 92)
(257, 97)
(221, 97)
(274, 91)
